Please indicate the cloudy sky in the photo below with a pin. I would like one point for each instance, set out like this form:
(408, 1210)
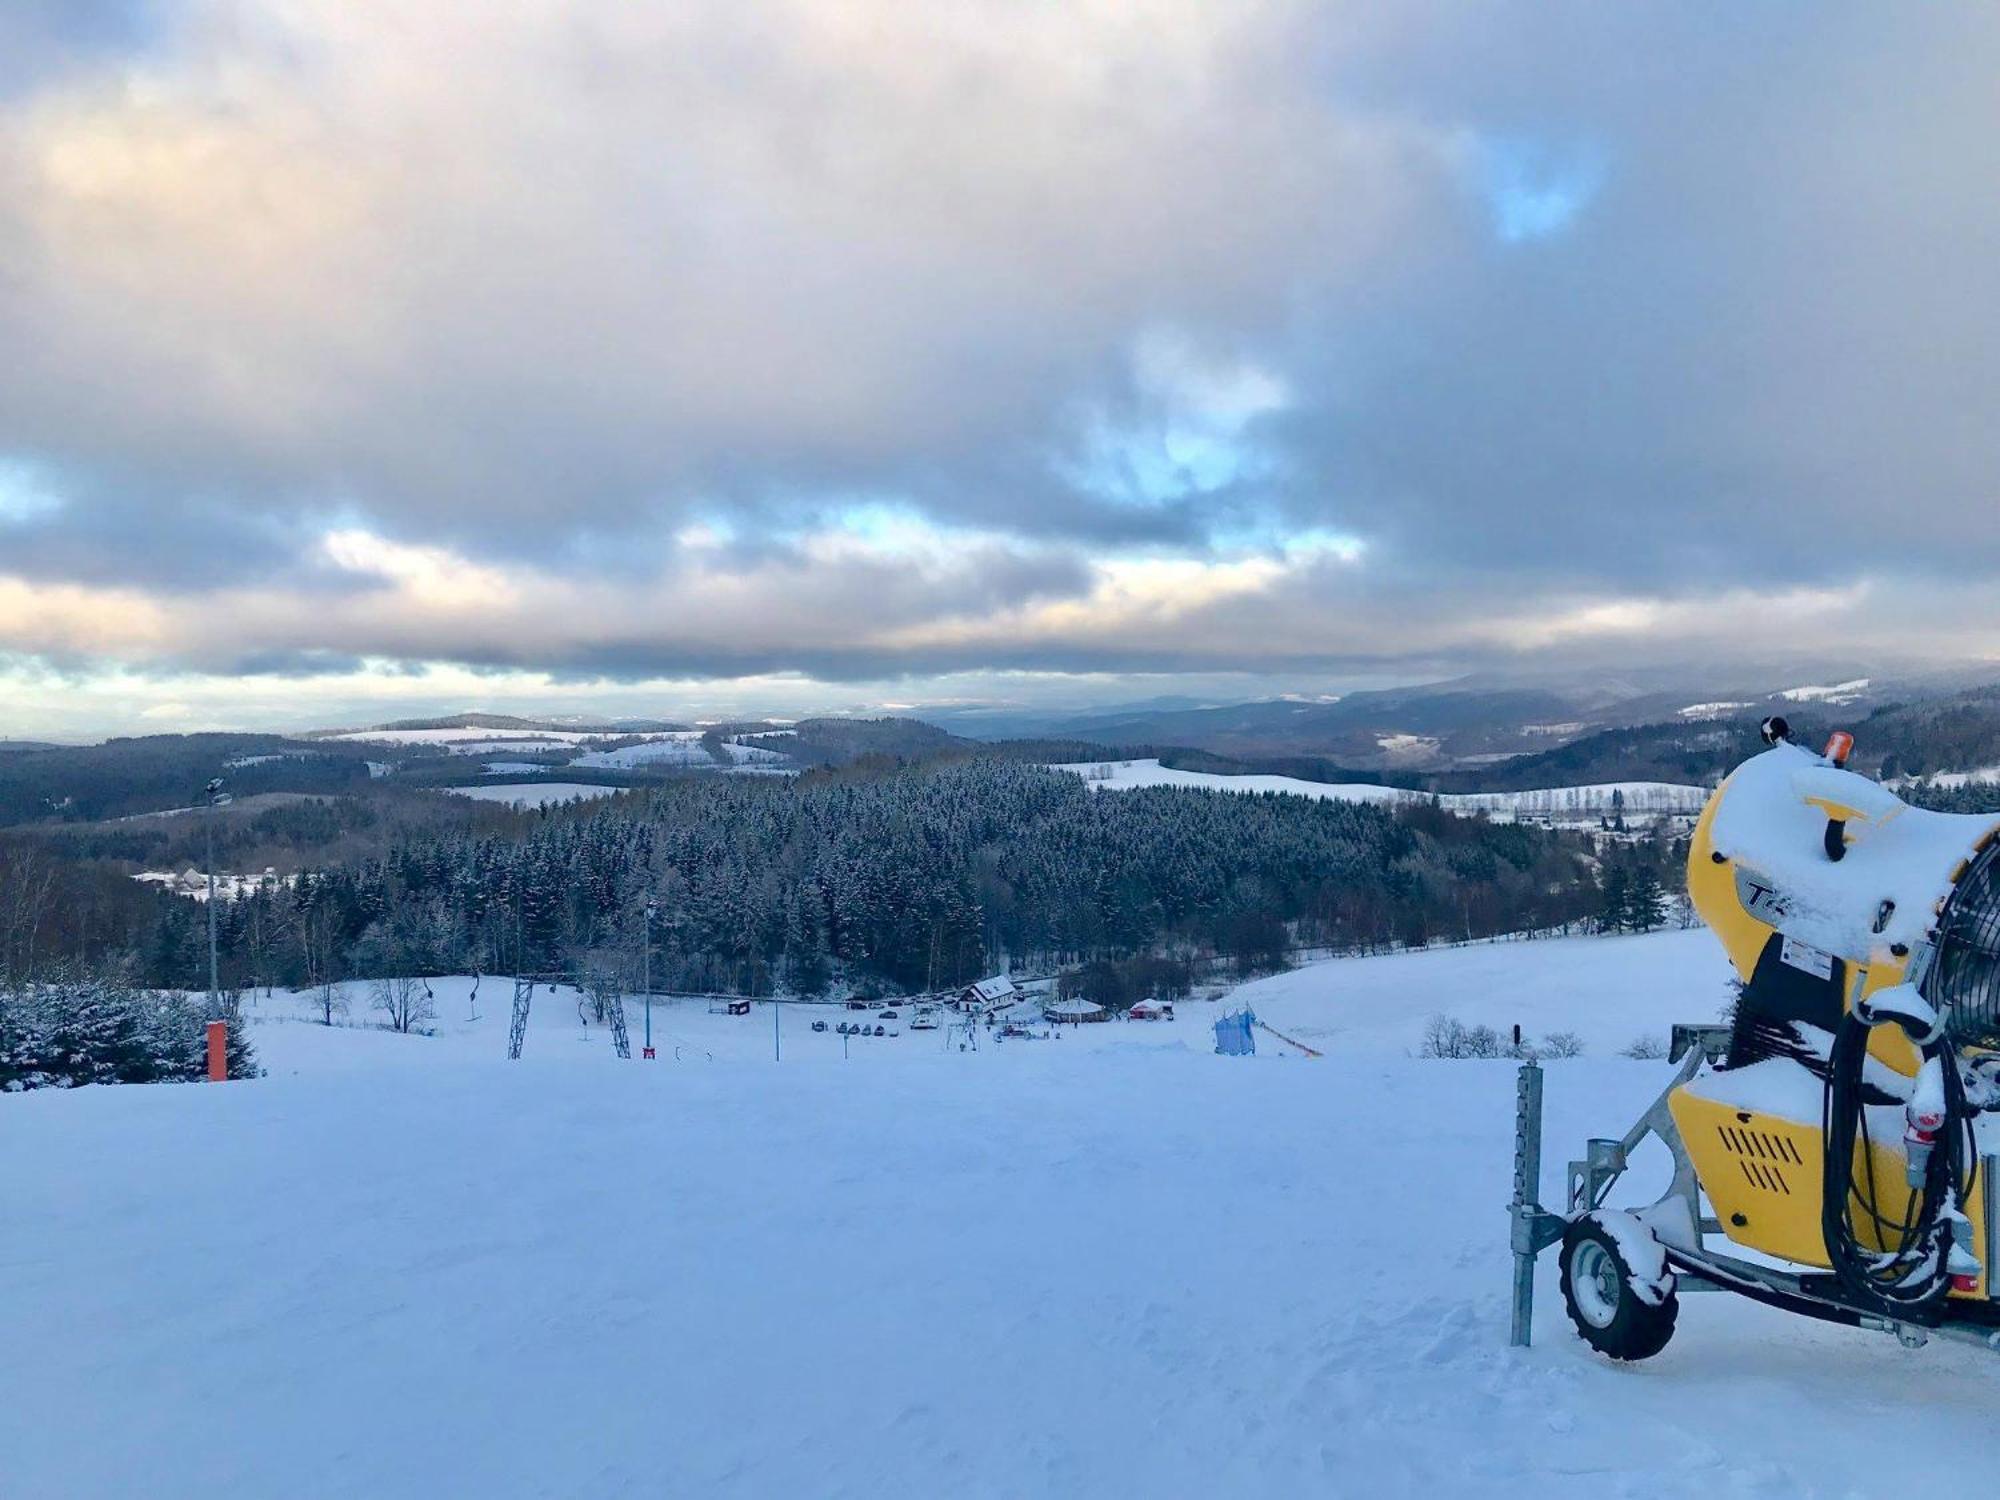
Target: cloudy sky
(657, 357)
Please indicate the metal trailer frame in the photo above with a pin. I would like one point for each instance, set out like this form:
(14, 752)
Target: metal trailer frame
(1590, 1180)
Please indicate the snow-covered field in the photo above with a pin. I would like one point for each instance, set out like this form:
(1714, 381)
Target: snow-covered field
(1984, 776)
(466, 740)
(672, 748)
(1113, 1265)
(685, 750)
(532, 793)
(1563, 803)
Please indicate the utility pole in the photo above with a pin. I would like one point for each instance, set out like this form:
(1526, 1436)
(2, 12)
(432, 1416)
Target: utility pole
(213, 796)
(646, 973)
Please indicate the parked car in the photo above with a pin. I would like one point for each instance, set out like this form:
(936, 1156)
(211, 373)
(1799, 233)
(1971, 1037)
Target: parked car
(881, 1031)
(819, 1026)
(887, 1013)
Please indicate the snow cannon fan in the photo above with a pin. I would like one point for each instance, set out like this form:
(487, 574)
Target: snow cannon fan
(1841, 1130)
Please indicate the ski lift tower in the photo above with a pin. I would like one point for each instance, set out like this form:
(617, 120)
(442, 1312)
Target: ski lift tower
(524, 994)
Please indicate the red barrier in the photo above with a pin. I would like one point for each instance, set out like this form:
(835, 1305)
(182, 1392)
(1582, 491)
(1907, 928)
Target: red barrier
(218, 1051)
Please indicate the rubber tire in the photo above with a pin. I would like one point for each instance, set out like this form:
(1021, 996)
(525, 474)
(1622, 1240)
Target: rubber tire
(1637, 1330)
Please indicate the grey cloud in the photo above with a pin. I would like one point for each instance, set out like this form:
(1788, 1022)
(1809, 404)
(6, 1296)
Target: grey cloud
(612, 271)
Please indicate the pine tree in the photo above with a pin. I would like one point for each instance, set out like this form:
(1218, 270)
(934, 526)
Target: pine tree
(1614, 909)
(1646, 900)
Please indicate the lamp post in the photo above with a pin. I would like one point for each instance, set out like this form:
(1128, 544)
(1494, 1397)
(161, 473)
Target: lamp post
(646, 974)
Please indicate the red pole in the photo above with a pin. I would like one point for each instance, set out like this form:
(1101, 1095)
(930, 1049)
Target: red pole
(218, 1051)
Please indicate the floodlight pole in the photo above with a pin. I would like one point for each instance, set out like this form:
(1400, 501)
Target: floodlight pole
(646, 972)
(212, 795)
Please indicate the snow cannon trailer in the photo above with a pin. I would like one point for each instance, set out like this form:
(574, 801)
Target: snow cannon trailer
(1840, 1127)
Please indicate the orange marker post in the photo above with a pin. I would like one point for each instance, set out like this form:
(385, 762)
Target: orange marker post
(218, 1051)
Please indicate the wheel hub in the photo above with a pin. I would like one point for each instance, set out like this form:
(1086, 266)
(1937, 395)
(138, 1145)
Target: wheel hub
(1596, 1283)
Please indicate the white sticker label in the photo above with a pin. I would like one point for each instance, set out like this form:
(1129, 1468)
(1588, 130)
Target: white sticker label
(1806, 957)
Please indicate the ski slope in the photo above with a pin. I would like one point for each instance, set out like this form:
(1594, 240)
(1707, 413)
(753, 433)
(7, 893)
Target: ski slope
(1563, 803)
(1110, 1265)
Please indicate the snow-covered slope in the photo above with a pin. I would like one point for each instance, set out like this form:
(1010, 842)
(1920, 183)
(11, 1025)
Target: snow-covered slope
(1565, 803)
(1607, 991)
(1109, 1265)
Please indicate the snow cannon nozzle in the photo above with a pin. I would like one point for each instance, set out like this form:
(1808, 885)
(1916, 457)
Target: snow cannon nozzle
(1775, 731)
(1839, 745)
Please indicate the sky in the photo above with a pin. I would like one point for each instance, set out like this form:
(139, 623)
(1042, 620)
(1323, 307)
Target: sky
(759, 356)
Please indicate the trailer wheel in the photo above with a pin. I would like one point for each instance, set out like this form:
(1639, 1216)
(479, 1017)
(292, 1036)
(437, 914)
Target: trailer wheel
(1608, 1312)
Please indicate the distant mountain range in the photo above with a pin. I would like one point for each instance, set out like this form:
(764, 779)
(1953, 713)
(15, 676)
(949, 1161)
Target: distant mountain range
(1472, 723)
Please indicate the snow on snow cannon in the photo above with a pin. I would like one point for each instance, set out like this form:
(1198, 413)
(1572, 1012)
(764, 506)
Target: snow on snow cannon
(1841, 1128)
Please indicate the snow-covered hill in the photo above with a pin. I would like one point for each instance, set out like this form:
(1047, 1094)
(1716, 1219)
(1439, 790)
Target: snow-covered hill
(1557, 804)
(1114, 1264)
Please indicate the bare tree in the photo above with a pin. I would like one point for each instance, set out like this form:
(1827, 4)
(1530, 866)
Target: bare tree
(27, 893)
(314, 928)
(405, 999)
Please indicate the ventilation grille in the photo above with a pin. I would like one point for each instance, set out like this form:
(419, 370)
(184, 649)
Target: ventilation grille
(1764, 1157)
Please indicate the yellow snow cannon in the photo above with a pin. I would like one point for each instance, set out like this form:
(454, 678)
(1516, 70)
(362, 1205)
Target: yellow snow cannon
(1836, 1126)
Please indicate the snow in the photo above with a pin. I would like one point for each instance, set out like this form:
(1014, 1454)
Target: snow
(470, 741)
(1983, 776)
(194, 883)
(532, 793)
(1772, 821)
(1122, 775)
(401, 1266)
(679, 749)
(1609, 991)
(1567, 803)
(1644, 1254)
(1837, 694)
(1710, 710)
(578, 1277)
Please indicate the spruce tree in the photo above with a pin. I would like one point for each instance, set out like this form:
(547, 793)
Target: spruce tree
(1614, 909)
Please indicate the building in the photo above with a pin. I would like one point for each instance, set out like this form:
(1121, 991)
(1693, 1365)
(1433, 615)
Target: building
(1074, 1012)
(1150, 1009)
(987, 994)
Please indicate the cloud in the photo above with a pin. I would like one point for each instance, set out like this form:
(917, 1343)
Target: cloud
(711, 339)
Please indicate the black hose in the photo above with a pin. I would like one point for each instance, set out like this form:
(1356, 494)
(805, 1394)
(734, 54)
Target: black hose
(1909, 1272)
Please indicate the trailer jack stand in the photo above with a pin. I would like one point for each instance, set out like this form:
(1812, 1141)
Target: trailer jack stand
(1533, 1228)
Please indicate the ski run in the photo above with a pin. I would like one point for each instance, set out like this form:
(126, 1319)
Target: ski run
(1112, 1263)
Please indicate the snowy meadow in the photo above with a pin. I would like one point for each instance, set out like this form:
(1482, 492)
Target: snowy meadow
(1112, 1263)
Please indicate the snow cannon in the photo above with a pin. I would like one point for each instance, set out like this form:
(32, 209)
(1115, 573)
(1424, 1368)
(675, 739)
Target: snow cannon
(1838, 1125)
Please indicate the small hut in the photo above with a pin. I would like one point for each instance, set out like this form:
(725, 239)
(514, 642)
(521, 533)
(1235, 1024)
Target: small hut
(1074, 1012)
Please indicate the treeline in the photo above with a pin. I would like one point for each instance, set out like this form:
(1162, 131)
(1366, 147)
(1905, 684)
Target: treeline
(71, 1029)
(80, 783)
(1972, 797)
(912, 881)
